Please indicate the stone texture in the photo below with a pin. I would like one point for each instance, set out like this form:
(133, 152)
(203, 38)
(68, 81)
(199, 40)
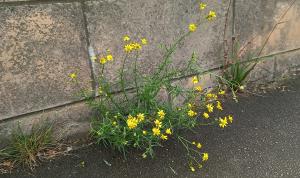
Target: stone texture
(161, 22)
(40, 46)
(260, 17)
(71, 121)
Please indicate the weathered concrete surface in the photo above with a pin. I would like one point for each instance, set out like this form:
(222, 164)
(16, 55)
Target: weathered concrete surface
(40, 46)
(68, 122)
(161, 22)
(255, 19)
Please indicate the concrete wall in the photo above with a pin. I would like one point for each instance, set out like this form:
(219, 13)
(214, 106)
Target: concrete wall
(43, 41)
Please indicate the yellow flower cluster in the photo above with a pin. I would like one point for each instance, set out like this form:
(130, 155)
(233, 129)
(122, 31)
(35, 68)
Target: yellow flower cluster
(223, 122)
(132, 122)
(104, 60)
(192, 113)
(198, 145)
(133, 46)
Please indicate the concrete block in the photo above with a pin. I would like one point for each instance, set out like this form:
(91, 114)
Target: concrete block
(161, 22)
(40, 46)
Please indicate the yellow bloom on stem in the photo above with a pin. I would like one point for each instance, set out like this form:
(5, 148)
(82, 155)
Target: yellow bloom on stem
(195, 80)
(102, 60)
(222, 92)
(198, 88)
(202, 6)
(136, 46)
(109, 57)
(144, 41)
(114, 123)
(192, 168)
(164, 137)
(161, 114)
(169, 131)
(194, 143)
(199, 145)
(192, 27)
(219, 105)
(128, 48)
(157, 123)
(190, 105)
(211, 96)
(126, 38)
(191, 113)
(144, 132)
(73, 75)
(211, 15)
(132, 122)
(223, 122)
(205, 157)
(140, 117)
(205, 115)
(155, 131)
(210, 107)
(230, 118)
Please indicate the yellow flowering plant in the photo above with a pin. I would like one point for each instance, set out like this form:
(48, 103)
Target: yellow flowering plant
(137, 117)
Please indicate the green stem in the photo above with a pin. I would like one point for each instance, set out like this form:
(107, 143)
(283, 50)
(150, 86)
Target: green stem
(135, 78)
(122, 78)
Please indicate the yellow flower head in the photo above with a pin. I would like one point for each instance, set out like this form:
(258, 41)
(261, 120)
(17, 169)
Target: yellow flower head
(161, 114)
(140, 117)
(195, 80)
(114, 123)
(222, 92)
(211, 96)
(157, 123)
(73, 75)
(144, 132)
(230, 118)
(199, 145)
(103, 60)
(198, 88)
(109, 57)
(205, 115)
(205, 157)
(192, 27)
(219, 105)
(191, 113)
(126, 38)
(192, 168)
(128, 48)
(202, 6)
(144, 41)
(132, 122)
(211, 15)
(194, 143)
(223, 122)
(210, 107)
(155, 131)
(169, 131)
(136, 46)
(164, 137)
(190, 105)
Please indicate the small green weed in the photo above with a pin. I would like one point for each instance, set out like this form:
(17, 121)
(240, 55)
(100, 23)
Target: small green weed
(24, 148)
